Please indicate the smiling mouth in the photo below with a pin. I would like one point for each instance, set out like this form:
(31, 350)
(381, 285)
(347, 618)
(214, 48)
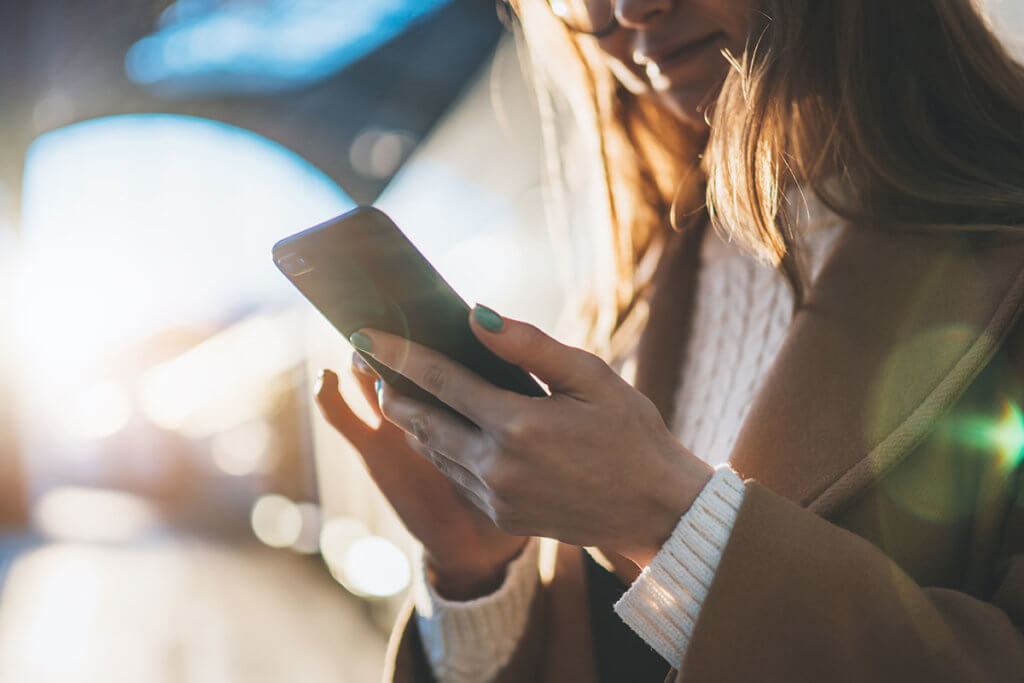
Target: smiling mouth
(683, 52)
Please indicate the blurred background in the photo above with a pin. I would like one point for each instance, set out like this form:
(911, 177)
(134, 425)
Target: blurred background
(172, 508)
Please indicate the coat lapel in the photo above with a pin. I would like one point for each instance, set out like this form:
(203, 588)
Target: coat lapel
(893, 331)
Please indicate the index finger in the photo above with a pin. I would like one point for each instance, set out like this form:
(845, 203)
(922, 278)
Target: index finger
(338, 413)
(453, 383)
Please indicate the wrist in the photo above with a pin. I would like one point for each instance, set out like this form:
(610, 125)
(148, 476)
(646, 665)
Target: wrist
(672, 496)
(471, 577)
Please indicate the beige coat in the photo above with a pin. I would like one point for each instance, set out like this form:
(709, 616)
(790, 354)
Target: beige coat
(882, 534)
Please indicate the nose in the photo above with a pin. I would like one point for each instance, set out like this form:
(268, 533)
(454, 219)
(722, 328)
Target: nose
(640, 13)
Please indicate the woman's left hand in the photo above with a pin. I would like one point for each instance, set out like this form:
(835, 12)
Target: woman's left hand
(591, 465)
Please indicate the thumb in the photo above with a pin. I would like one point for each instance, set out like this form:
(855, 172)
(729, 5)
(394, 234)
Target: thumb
(563, 368)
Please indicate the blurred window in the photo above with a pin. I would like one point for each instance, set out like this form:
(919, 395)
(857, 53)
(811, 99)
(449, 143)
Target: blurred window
(137, 223)
(247, 46)
(148, 227)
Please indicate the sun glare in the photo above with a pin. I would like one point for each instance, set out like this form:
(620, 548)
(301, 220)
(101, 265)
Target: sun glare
(141, 237)
(1004, 436)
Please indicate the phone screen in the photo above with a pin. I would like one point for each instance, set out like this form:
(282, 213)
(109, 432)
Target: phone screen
(359, 270)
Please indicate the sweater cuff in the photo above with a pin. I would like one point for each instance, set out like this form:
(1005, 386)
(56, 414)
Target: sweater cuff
(471, 641)
(664, 602)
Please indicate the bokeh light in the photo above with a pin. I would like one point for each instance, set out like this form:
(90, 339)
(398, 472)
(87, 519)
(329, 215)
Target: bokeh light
(336, 536)
(247, 449)
(276, 521)
(377, 152)
(97, 515)
(366, 565)
(308, 541)
(338, 533)
(375, 567)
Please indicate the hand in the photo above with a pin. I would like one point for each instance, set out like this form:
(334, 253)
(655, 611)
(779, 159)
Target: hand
(465, 553)
(592, 464)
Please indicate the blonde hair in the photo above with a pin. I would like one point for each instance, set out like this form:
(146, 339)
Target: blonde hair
(914, 106)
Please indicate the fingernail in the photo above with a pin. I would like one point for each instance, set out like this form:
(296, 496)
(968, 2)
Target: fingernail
(378, 386)
(361, 342)
(319, 385)
(488, 319)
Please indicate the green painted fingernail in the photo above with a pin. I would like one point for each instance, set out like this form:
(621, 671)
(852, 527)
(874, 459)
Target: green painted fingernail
(361, 342)
(488, 319)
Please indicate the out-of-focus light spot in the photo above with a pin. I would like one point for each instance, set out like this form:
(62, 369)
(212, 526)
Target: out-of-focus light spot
(377, 153)
(366, 565)
(336, 536)
(99, 411)
(375, 567)
(1005, 435)
(276, 521)
(96, 515)
(308, 541)
(267, 45)
(244, 450)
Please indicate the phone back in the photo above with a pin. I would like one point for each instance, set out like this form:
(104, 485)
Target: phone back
(360, 271)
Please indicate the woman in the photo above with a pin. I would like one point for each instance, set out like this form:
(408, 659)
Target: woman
(865, 386)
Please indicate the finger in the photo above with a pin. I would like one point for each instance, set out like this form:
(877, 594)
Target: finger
(366, 381)
(361, 367)
(337, 412)
(563, 368)
(467, 483)
(455, 385)
(433, 427)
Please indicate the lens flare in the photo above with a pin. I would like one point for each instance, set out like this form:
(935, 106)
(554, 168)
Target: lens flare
(1004, 435)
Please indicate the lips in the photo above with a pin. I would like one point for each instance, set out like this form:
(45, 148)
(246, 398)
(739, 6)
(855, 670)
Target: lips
(671, 54)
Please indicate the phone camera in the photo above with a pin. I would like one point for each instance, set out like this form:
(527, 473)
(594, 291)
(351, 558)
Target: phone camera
(294, 265)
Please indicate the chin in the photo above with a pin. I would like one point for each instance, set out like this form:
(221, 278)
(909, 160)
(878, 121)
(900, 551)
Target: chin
(688, 105)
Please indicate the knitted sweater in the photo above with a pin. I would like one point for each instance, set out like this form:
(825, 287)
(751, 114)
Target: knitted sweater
(741, 314)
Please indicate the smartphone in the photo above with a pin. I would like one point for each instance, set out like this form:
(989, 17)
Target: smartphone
(360, 271)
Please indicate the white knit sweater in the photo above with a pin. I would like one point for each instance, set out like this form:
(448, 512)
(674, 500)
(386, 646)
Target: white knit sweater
(742, 311)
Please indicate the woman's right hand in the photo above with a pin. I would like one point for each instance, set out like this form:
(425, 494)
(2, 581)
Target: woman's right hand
(466, 554)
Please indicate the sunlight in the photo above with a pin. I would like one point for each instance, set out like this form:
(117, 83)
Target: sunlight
(1005, 435)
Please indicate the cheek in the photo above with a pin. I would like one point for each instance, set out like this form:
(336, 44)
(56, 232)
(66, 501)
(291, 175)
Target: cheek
(735, 17)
